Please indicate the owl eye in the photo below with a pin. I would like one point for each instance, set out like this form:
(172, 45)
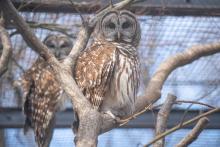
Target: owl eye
(111, 25)
(51, 45)
(64, 46)
(125, 25)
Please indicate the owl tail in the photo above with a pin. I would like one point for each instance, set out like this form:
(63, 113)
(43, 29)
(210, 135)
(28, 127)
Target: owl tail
(43, 136)
(27, 126)
(75, 125)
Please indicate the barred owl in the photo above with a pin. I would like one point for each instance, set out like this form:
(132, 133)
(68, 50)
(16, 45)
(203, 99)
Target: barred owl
(43, 96)
(108, 71)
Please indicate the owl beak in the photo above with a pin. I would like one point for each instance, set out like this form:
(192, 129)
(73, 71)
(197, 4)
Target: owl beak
(119, 35)
(57, 54)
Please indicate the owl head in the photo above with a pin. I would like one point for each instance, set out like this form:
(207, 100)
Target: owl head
(59, 44)
(119, 26)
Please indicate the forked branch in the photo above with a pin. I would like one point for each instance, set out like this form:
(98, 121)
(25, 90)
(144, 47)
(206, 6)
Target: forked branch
(6, 48)
(90, 120)
(183, 125)
(162, 118)
(194, 133)
(153, 90)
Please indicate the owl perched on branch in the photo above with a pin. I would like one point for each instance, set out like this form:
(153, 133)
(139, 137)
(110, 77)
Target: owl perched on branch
(108, 71)
(43, 95)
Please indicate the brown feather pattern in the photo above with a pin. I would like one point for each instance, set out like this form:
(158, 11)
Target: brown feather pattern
(42, 94)
(100, 73)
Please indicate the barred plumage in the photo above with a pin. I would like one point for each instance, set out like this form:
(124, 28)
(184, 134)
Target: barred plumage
(42, 98)
(93, 71)
(108, 71)
(43, 95)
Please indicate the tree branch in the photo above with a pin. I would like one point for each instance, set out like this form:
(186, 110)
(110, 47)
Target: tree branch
(12, 15)
(179, 102)
(162, 118)
(194, 102)
(85, 32)
(194, 133)
(53, 27)
(181, 126)
(48, 26)
(91, 121)
(7, 48)
(153, 90)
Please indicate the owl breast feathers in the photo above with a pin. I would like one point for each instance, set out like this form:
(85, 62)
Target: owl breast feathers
(108, 75)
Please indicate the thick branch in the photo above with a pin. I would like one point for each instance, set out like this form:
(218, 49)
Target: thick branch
(7, 48)
(193, 135)
(63, 74)
(90, 120)
(30, 38)
(162, 118)
(153, 90)
(87, 135)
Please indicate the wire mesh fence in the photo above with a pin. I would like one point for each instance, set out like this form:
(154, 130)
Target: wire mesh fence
(162, 37)
(115, 138)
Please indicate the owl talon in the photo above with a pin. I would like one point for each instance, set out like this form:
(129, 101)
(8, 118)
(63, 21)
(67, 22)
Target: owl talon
(110, 114)
(117, 119)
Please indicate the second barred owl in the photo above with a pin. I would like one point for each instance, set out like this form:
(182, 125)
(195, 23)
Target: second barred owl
(108, 71)
(43, 95)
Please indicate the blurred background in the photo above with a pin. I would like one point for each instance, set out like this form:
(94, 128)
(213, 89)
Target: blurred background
(168, 27)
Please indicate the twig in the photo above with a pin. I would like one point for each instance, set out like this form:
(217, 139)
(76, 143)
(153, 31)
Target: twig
(18, 65)
(85, 32)
(77, 10)
(162, 119)
(181, 126)
(24, 4)
(11, 13)
(7, 48)
(179, 102)
(90, 123)
(153, 90)
(150, 107)
(52, 27)
(111, 4)
(194, 102)
(186, 111)
(125, 121)
(49, 26)
(194, 133)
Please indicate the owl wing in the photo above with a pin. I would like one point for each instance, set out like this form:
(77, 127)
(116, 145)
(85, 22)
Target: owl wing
(42, 93)
(94, 70)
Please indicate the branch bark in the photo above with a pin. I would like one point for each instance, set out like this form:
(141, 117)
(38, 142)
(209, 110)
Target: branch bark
(182, 125)
(91, 121)
(155, 85)
(162, 118)
(194, 133)
(7, 48)
(153, 90)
